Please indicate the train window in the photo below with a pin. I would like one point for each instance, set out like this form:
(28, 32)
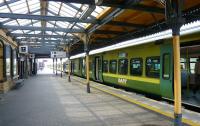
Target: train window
(166, 66)
(153, 67)
(105, 66)
(123, 66)
(113, 66)
(183, 62)
(90, 66)
(136, 65)
(192, 64)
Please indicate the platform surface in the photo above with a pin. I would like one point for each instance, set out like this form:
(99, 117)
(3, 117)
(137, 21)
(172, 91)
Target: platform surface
(161, 107)
(47, 100)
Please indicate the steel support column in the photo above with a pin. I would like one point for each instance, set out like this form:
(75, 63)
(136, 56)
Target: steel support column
(69, 62)
(177, 81)
(175, 20)
(56, 66)
(61, 67)
(86, 40)
(53, 66)
(69, 70)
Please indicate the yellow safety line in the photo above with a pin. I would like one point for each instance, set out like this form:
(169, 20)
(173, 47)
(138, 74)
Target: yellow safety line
(184, 120)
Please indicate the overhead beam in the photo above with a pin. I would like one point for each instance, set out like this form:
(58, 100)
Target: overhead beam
(66, 19)
(40, 40)
(42, 29)
(90, 2)
(40, 35)
(46, 18)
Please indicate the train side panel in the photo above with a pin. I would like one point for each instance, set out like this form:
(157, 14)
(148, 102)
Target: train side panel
(141, 83)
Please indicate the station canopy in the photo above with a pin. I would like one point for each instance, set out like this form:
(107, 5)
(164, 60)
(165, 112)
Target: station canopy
(47, 25)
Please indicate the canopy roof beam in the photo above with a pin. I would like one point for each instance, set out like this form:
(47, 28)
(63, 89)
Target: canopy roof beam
(40, 35)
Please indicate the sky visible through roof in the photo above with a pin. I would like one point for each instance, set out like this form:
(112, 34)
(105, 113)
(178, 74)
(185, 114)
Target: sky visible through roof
(33, 7)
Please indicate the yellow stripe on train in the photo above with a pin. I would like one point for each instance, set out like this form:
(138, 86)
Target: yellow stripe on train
(134, 78)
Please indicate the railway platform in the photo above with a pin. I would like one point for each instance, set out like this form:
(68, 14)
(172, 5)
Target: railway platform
(48, 100)
(160, 107)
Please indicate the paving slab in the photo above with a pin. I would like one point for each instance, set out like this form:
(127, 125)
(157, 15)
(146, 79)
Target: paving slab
(47, 100)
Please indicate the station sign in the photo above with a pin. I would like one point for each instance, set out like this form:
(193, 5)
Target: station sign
(23, 49)
(58, 54)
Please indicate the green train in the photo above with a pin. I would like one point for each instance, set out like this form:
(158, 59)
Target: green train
(145, 68)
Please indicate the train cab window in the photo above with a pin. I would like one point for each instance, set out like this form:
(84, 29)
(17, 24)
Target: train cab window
(166, 66)
(123, 66)
(105, 66)
(113, 66)
(153, 67)
(136, 65)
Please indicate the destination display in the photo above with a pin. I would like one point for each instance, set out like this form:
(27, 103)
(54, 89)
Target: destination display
(58, 54)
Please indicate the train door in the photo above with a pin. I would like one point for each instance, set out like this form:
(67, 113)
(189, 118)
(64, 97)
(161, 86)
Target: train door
(190, 80)
(83, 71)
(166, 76)
(98, 68)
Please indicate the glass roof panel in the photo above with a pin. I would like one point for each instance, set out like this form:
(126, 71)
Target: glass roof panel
(49, 25)
(17, 31)
(67, 6)
(67, 11)
(26, 31)
(4, 9)
(18, 3)
(98, 10)
(37, 32)
(54, 7)
(24, 21)
(19, 7)
(60, 33)
(77, 5)
(55, 4)
(48, 32)
(13, 22)
(34, 6)
(62, 24)
(38, 24)
(3, 19)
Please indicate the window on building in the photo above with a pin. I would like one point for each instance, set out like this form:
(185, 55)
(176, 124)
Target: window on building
(113, 66)
(123, 66)
(136, 66)
(153, 67)
(105, 66)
